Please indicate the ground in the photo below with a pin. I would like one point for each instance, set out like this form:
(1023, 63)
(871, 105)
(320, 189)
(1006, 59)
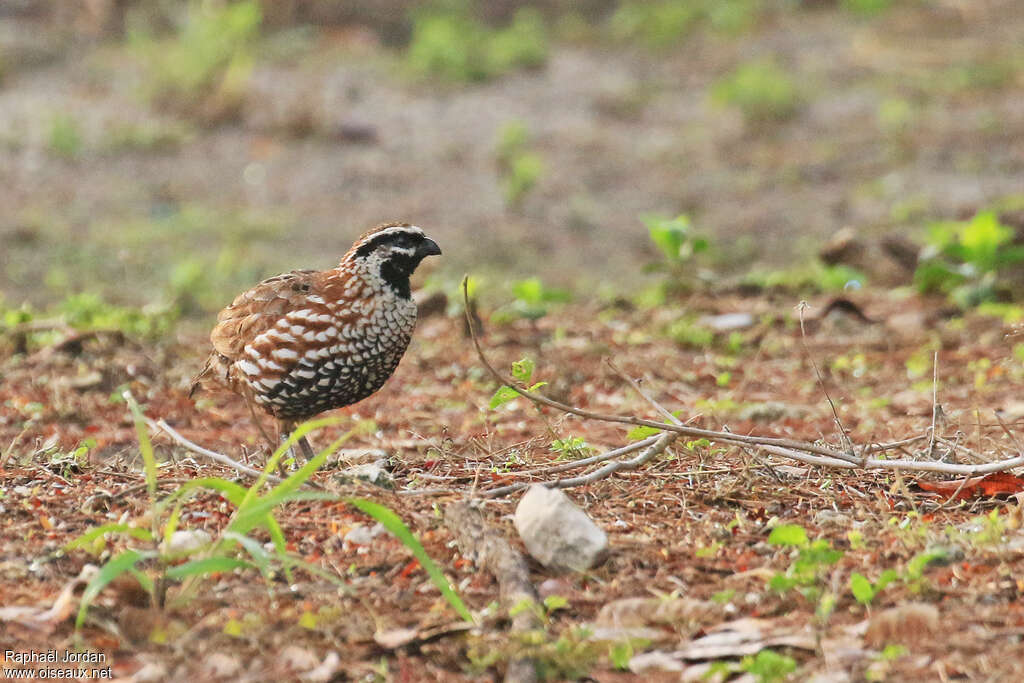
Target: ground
(693, 523)
(128, 221)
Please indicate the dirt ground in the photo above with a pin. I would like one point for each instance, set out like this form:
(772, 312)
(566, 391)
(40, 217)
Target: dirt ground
(622, 131)
(693, 523)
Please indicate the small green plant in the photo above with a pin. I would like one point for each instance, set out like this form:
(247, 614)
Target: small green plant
(866, 7)
(571, 447)
(233, 548)
(768, 666)
(88, 311)
(65, 136)
(814, 277)
(679, 247)
(641, 432)
(762, 90)
(656, 24)
(806, 571)
(895, 117)
(913, 574)
(522, 370)
(519, 168)
(542, 611)
(968, 260)
(533, 299)
(691, 334)
(449, 43)
(864, 591)
(990, 529)
(665, 23)
(205, 68)
(568, 654)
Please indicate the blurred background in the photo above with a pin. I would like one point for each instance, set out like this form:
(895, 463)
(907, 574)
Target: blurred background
(167, 154)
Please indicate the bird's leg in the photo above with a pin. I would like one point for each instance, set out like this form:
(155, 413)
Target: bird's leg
(259, 426)
(307, 450)
(287, 427)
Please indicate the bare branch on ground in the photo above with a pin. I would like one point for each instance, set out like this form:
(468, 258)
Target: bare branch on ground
(489, 550)
(805, 452)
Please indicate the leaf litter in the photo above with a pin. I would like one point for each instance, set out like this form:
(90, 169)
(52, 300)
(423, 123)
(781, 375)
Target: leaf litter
(692, 526)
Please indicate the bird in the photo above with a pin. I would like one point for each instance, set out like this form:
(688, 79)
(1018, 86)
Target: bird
(307, 341)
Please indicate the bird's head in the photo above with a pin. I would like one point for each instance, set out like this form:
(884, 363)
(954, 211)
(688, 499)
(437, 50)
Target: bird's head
(393, 250)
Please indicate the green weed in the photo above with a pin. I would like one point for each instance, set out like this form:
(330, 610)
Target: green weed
(864, 591)
(533, 300)
(86, 312)
(815, 277)
(205, 68)
(866, 8)
(65, 136)
(679, 246)
(522, 370)
(519, 168)
(762, 90)
(571, 447)
(687, 332)
(451, 44)
(156, 566)
(768, 666)
(806, 571)
(969, 260)
(664, 23)
(655, 24)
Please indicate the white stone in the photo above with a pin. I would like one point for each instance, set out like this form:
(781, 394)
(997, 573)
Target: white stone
(363, 535)
(187, 541)
(557, 533)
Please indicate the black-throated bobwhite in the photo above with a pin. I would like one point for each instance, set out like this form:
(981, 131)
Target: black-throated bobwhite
(308, 341)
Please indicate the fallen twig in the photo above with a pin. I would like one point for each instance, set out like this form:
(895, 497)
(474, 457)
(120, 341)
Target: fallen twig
(490, 551)
(611, 468)
(843, 436)
(207, 453)
(806, 452)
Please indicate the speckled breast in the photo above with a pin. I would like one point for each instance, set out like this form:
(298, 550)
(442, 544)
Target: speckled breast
(327, 355)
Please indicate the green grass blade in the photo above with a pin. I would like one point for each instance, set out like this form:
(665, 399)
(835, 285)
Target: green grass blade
(117, 565)
(230, 490)
(290, 561)
(207, 565)
(302, 475)
(301, 431)
(145, 445)
(280, 543)
(255, 514)
(251, 546)
(112, 528)
(143, 579)
(393, 523)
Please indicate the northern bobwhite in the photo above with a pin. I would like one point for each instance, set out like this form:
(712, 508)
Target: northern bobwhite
(308, 341)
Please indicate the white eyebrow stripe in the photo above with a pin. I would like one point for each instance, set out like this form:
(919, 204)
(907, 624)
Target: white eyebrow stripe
(396, 230)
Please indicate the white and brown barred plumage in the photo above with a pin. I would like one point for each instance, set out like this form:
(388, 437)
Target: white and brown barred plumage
(307, 341)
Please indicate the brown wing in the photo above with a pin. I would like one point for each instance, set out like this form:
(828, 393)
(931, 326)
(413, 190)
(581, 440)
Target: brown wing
(257, 310)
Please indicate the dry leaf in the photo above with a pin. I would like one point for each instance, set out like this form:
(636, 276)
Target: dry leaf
(995, 484)
(745, 637)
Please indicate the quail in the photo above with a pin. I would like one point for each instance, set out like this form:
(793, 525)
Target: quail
(308, 341)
